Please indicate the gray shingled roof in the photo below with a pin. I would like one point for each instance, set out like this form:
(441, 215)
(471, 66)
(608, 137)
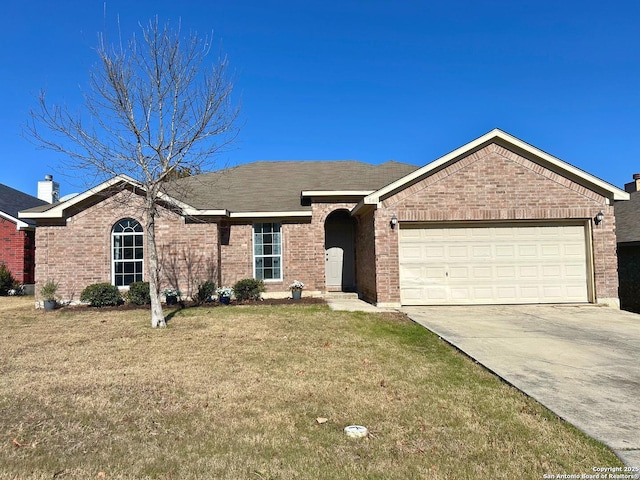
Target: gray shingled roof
(276, 186)
(628, 219)
(12, 201)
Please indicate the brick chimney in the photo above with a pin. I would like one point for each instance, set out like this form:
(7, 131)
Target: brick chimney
(48, 190)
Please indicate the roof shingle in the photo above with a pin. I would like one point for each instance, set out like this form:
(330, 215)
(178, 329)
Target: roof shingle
(628, 219)
(276, 186)
(12, 201)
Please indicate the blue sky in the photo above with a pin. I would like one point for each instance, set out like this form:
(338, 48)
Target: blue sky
(362, 80)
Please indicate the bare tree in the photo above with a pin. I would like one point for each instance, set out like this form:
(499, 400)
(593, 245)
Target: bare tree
(154, 109)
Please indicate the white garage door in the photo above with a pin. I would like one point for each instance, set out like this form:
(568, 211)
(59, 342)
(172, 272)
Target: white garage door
(492, 264)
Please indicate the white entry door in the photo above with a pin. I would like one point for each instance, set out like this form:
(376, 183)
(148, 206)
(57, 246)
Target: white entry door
(334, 258)
(493, 264)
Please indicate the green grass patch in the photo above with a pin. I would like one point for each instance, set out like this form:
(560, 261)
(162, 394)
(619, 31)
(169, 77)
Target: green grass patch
(235, 392)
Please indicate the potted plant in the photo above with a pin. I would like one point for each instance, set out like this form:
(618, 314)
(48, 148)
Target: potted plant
(172, 295)
(296, 289)
(48, 292)
(224, 294)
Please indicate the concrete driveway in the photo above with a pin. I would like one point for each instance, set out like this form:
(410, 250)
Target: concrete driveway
(580, 361)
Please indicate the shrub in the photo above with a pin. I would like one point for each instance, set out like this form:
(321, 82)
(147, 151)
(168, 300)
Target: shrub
(7, 282)
(249, 289)
(205, 291)
(139, 293)
(101, 295)
(49, 289)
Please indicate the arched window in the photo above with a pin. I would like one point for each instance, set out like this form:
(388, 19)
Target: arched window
(127, 252)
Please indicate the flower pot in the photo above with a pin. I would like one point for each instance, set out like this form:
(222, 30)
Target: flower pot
(224, 300)
(49, 305)
(172, 300)
(296, 294)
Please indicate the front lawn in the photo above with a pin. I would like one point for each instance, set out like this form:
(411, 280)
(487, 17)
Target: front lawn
(236, 393)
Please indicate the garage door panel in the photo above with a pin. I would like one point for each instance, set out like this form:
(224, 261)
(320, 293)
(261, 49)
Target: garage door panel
(460, 252)
(482, 273)
(434, 252)
(481, 251)
(459, 273)
(493, 264)
(528, 271)
(505, 251)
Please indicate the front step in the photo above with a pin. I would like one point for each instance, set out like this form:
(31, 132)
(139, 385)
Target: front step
(345, 295)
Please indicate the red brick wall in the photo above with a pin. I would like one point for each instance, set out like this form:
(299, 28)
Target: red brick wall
(303, 256)
(494, 184)
(79, 253)
(366, 257)
(236, 256)
(17, 251)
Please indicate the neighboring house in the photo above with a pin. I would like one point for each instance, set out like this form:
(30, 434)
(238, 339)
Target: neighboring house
(628, 235)
(496, 221)
(17, 237)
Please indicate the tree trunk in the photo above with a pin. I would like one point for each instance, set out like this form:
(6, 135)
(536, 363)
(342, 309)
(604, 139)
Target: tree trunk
(157, 316)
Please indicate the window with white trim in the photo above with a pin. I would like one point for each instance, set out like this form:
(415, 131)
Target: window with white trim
(267, 251)
(127, 252)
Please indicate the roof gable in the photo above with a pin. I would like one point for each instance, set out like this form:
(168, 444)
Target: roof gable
(511, 143)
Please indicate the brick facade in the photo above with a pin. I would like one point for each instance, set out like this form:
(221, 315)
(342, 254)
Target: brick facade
(79, 253)
(366, 257)
(494, 184)
(17, 251)
(490, 184)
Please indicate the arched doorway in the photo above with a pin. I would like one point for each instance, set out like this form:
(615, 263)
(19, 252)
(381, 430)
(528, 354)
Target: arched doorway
(339, 247)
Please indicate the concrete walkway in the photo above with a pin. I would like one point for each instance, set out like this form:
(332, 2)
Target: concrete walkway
(580, 361)
(349, 302)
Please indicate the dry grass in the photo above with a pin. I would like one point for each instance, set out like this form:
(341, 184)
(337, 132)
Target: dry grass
(235, 392)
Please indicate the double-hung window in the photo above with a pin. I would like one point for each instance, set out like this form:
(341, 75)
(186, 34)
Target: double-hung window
(267, 251)
(127, 252)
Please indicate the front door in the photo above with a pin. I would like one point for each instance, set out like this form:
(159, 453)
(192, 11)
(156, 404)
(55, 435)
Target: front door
(334, 258)
(339, 252)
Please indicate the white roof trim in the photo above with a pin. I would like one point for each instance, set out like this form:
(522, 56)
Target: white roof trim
(20, 225)
(226, 213)
(304, 213)
(58, 210)
(615, 192)
(194, 212)
(336, 193)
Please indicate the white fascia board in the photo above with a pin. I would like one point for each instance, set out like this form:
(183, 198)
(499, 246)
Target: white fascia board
(20, 225)
(304, 213)
(336, 193)
(362, 203)
(194, 212)
(615, 192)
(58, 210)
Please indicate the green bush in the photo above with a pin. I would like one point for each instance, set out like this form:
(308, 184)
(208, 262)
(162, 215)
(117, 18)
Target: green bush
(139, 293)
(249, 289)
(7, 282)
(205, 291)
(101, 295)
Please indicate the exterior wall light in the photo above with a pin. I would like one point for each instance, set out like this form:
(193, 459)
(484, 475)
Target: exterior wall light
(394, 221)
(599, 218)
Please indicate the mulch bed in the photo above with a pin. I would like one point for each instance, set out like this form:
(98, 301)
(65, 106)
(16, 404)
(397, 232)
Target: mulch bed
(189, 304)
